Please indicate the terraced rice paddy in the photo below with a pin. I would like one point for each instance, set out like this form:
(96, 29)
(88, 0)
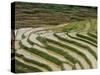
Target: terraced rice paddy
(65, 46)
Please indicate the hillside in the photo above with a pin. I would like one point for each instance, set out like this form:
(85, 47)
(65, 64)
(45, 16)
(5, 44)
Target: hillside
(54, 37)
(46, 49)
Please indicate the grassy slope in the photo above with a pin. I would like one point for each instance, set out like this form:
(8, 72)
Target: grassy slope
(36, 15)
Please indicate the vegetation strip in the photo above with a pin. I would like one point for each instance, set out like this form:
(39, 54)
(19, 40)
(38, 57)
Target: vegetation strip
(31, 68)
(34, 62)
(87, 37)
(72, 49)
(80, 39)
(92, 35)
(66, 55)
(77, 44)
